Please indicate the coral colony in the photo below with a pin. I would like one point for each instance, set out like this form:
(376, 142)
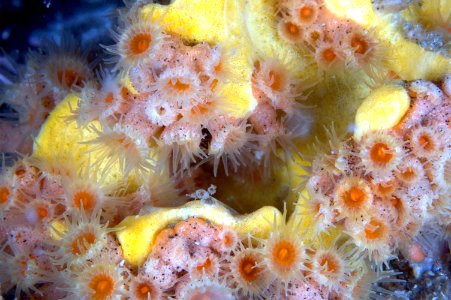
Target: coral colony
(112, 197)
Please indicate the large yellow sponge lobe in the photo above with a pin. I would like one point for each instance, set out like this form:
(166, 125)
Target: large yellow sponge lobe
(382, 109)
(136, 234)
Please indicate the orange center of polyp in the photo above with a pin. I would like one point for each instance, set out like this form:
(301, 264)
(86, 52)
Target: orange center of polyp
(109, 98)
(359, 44)
(354, 197)
(69, 78)
(329, 55)
(42, 212)
(397, 203)
(247, 268)
(291, 28)
(206, 265)
(82, 243)
(140, 43)
(425, 142)
(178, 85)
(386, 188)
(228, 240)
(102, 285)
(84, 199)
(408, 174)
(375, 229)
(218, 67)
(330, 264)
(143, 290)
(380, 153)
(201, 109)
(4, 194)
(276, 80)
(284, 254)
(306, 13)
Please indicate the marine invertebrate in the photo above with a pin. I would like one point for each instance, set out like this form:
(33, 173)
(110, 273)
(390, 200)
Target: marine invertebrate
(23, 271)
(248, 274)
(381, 153)
(142, 288)
(134, 41)
(98, 281)
(119, 145)
(284, 253)
(353, 199)
(82, 239)
(332, 266)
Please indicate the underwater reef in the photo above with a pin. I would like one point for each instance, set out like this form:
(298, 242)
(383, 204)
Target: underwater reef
(232, 149)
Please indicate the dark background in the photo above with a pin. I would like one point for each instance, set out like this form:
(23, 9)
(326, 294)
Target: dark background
(24, 23)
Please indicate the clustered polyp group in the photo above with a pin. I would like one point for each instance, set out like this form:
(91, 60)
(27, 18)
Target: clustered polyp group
(175, 101)
(161, 110)
(336, 44)
(387, 184)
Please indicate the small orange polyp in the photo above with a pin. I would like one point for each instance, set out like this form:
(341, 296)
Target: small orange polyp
(354, 197)
(329, 55)
(380, 153)
(4, 194)
(81, 243)
(102, 285)
(359, 44)
(140, 43)
(284, 254)
(84, 199)
(375, 230)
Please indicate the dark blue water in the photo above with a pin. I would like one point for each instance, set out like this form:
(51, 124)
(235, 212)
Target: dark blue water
(24, 23)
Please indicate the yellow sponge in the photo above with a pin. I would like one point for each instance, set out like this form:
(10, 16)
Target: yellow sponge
(382, 109)
(136, 234)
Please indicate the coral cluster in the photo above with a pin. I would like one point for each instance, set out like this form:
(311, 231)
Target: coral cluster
(85, 213)
(337, 44)
(387, 184)
(36, 88)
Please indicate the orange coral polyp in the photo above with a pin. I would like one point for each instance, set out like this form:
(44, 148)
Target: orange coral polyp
(284, 254)
(292, 28)
(42, 212)
(380, 153)
(248, 268)
(140, 43)
(307, 13)
(385, 188)
(276, 80)
(328, 55)
(375, 230)
(84, 199)
(82, 243)
(408, 174)
(330, 264)
(4, 194)
(143, 290)
(290, 31)
(178, 86)
(69, 78)
(102, 286)
(206, 265)
(354, 197)
(201, 108)
(229, 240)
(109, 98)
(426, 142)
(359, 44)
